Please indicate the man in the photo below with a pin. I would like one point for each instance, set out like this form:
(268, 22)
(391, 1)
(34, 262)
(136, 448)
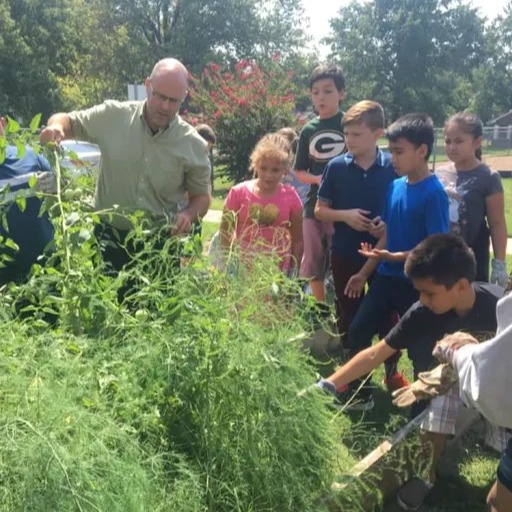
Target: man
(31, 232)
(150, 158)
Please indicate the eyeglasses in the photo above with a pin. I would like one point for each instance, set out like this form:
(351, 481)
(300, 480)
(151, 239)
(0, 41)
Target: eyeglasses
(163, 98)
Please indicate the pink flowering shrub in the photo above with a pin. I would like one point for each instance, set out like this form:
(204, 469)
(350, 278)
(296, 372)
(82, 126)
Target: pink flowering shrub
(242, 105)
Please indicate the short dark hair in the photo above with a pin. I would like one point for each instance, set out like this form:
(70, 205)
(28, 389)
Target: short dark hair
(444, 258)
(206, 133)
(332, 71)
(417, 128)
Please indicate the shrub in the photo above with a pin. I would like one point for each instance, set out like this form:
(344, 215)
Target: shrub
(243, 105)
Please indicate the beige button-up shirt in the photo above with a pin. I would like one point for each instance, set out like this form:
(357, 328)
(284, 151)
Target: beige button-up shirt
(140, 170)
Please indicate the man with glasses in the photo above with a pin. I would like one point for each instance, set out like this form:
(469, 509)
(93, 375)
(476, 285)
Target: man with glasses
(150, 158)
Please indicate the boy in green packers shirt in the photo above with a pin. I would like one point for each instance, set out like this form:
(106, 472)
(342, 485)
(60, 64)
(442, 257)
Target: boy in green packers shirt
(320, 140)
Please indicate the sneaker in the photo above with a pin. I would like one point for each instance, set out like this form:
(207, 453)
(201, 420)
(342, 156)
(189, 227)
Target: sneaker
(413, 493)
(347, 400)
(396, 381)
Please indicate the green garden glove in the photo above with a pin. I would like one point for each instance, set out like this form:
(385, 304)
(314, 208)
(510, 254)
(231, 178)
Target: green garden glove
(499, 274)
(429, 385)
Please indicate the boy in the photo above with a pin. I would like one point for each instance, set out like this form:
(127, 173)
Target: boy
(416, 207)
(352, 195)
(442, 269)
(319, 141)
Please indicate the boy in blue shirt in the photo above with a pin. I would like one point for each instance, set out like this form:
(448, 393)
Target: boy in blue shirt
(319, 141)
(352, 195)
(416, 207)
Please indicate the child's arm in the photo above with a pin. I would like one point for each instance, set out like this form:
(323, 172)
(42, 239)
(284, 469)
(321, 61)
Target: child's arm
(356, 283)
(361, 364)
(356, 218)
(377, 253)
(297, 242)
(307, 177)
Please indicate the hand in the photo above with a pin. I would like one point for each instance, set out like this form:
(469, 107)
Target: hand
(182, 224)
(499, 274)
(446, 348)
(377, 227)
(355, 286)
(368, 251)
(51, 134)
(429, 385)
(357, 219)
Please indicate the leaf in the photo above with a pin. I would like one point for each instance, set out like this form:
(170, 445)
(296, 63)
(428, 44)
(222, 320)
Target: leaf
(12, 126)
(87, 402)
(72, 218)
(34, 123)
(22, 203)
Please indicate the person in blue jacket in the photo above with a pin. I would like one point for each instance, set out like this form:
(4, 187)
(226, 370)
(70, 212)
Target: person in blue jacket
(31, 232)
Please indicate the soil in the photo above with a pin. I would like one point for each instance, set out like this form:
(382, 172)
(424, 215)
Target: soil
(499, 163)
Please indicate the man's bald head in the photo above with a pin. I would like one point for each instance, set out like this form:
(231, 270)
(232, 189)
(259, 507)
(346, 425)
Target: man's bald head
(170, 69)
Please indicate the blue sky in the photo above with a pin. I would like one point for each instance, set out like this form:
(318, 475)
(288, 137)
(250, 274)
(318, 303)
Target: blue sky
(320, 11)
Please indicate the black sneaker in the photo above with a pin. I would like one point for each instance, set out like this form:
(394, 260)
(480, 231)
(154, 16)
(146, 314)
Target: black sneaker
(348, 400)
(413, 493)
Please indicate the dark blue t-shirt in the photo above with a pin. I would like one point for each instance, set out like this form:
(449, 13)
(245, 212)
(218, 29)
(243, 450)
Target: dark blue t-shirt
(345, 185)
(27, 228)
(412, 213)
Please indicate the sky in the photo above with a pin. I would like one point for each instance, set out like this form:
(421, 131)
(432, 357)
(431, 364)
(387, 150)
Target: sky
(321, 11)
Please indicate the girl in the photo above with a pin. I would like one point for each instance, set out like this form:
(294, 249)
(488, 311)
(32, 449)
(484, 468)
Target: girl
(476, 196)
(263, 214)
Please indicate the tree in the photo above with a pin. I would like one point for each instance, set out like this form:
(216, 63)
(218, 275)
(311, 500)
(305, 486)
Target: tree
(201, 31)
(406, 54)
(492, 79)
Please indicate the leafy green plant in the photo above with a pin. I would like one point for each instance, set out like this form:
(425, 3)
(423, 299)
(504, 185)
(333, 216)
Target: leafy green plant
(181, 396)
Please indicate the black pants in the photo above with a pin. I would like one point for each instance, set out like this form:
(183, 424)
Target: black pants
(385, 296)
(120, 251)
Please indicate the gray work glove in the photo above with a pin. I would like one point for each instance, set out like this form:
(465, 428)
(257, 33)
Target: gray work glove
(499, 274)
(46, 182)
(429, 385)
(446, 348)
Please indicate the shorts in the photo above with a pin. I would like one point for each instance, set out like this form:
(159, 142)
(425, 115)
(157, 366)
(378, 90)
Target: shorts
(504, 473)
(441, 418)
(317, 245)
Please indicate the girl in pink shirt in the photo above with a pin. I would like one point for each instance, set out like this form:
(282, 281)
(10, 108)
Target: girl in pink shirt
(263, 214)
